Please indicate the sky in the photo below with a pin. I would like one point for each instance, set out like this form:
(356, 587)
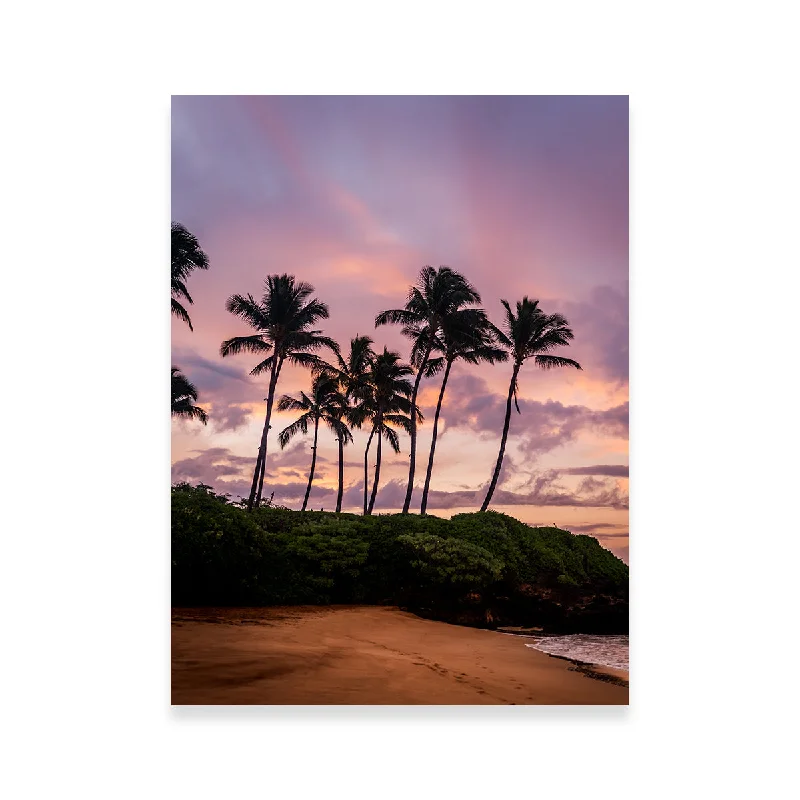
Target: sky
(523, 195)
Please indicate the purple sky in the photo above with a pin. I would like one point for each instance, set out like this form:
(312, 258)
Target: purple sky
(524, 195)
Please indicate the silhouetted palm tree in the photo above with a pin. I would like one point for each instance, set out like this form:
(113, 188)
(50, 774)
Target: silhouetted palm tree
(186, 257)
(184, 394)
(466, 336)
(325, 404)
(351, 377)
(437, 295)
(283, 319)
(384, 402)
(530, 333)
(352, 371)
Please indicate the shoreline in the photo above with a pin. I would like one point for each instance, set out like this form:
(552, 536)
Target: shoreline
(599, 672)
(368, 655)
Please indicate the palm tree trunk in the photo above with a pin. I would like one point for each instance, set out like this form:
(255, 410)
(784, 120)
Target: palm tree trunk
(377, 472)
(413, 432)
(313, 465)
(258, 473)
(433, 440)
(341, 476)
(502, 440)
(270, 399)
(366, 469)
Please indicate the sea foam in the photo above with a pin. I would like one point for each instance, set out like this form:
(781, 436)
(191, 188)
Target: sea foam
(604, 651)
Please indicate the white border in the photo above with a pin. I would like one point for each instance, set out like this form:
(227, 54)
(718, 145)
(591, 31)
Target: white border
(714, 260)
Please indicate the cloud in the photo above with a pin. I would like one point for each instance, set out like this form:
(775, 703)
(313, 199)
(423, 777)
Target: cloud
(227, 472)
(225, 390)
(601, 331)
(221, 469)
(539, 427)
(292, 493)
(214, 374)
(216, 467)
(541, 489)
(545, 490)
(295, 455)
(613, 537)
(229, 417)
(610, 470)
(608, 529)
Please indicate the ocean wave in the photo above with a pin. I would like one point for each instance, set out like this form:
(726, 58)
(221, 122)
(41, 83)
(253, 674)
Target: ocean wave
(604, 651)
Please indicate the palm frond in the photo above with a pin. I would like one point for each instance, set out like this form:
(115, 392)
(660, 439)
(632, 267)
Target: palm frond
(181, 385)
(550, 362)
(434, 366)
(545, 339)
(300, 425)
(249, 310)
(357, 415)
(491, 355)
(396, 316)
(393, 439)
(244, 344)
(308, 341)
(340, 429)
(265, 365)
(289, 403)
(401, 421)
(323, 368)
(184, 393)
(299, 359)
(187, 255)
(184, 408)
(179, 290)
(180, 312)
(311, 313)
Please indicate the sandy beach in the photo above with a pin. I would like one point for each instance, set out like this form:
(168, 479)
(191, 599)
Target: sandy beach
(366, 655)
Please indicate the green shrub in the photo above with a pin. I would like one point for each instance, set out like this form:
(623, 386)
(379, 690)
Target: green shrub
(451, 562)
(222, 555)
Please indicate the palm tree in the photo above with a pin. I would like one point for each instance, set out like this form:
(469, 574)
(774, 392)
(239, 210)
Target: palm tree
(466, 336)
(384, 401)
(184, 394)
(284, 320)
(351, 377)
(438, 294)
(325, 404)
(530, 333)
(186, 257)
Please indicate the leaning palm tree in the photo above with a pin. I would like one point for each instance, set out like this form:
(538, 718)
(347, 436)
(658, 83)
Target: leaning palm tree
(437, 295)
(284, 320)
(528, 333)
(466, 336)
(184, 394)
(384, 401)
(324, 404)
(186, 257)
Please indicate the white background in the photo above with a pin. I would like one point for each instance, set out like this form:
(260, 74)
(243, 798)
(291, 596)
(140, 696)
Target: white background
(714, 438)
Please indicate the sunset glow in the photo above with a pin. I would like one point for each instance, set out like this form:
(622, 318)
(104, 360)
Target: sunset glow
(523, 195)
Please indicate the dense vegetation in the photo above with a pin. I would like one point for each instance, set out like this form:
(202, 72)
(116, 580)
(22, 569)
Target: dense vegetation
(483, 568)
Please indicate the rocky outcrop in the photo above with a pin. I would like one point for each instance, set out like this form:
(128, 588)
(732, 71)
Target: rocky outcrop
(543, 609)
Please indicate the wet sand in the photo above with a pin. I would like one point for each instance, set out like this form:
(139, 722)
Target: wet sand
(366, 655)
